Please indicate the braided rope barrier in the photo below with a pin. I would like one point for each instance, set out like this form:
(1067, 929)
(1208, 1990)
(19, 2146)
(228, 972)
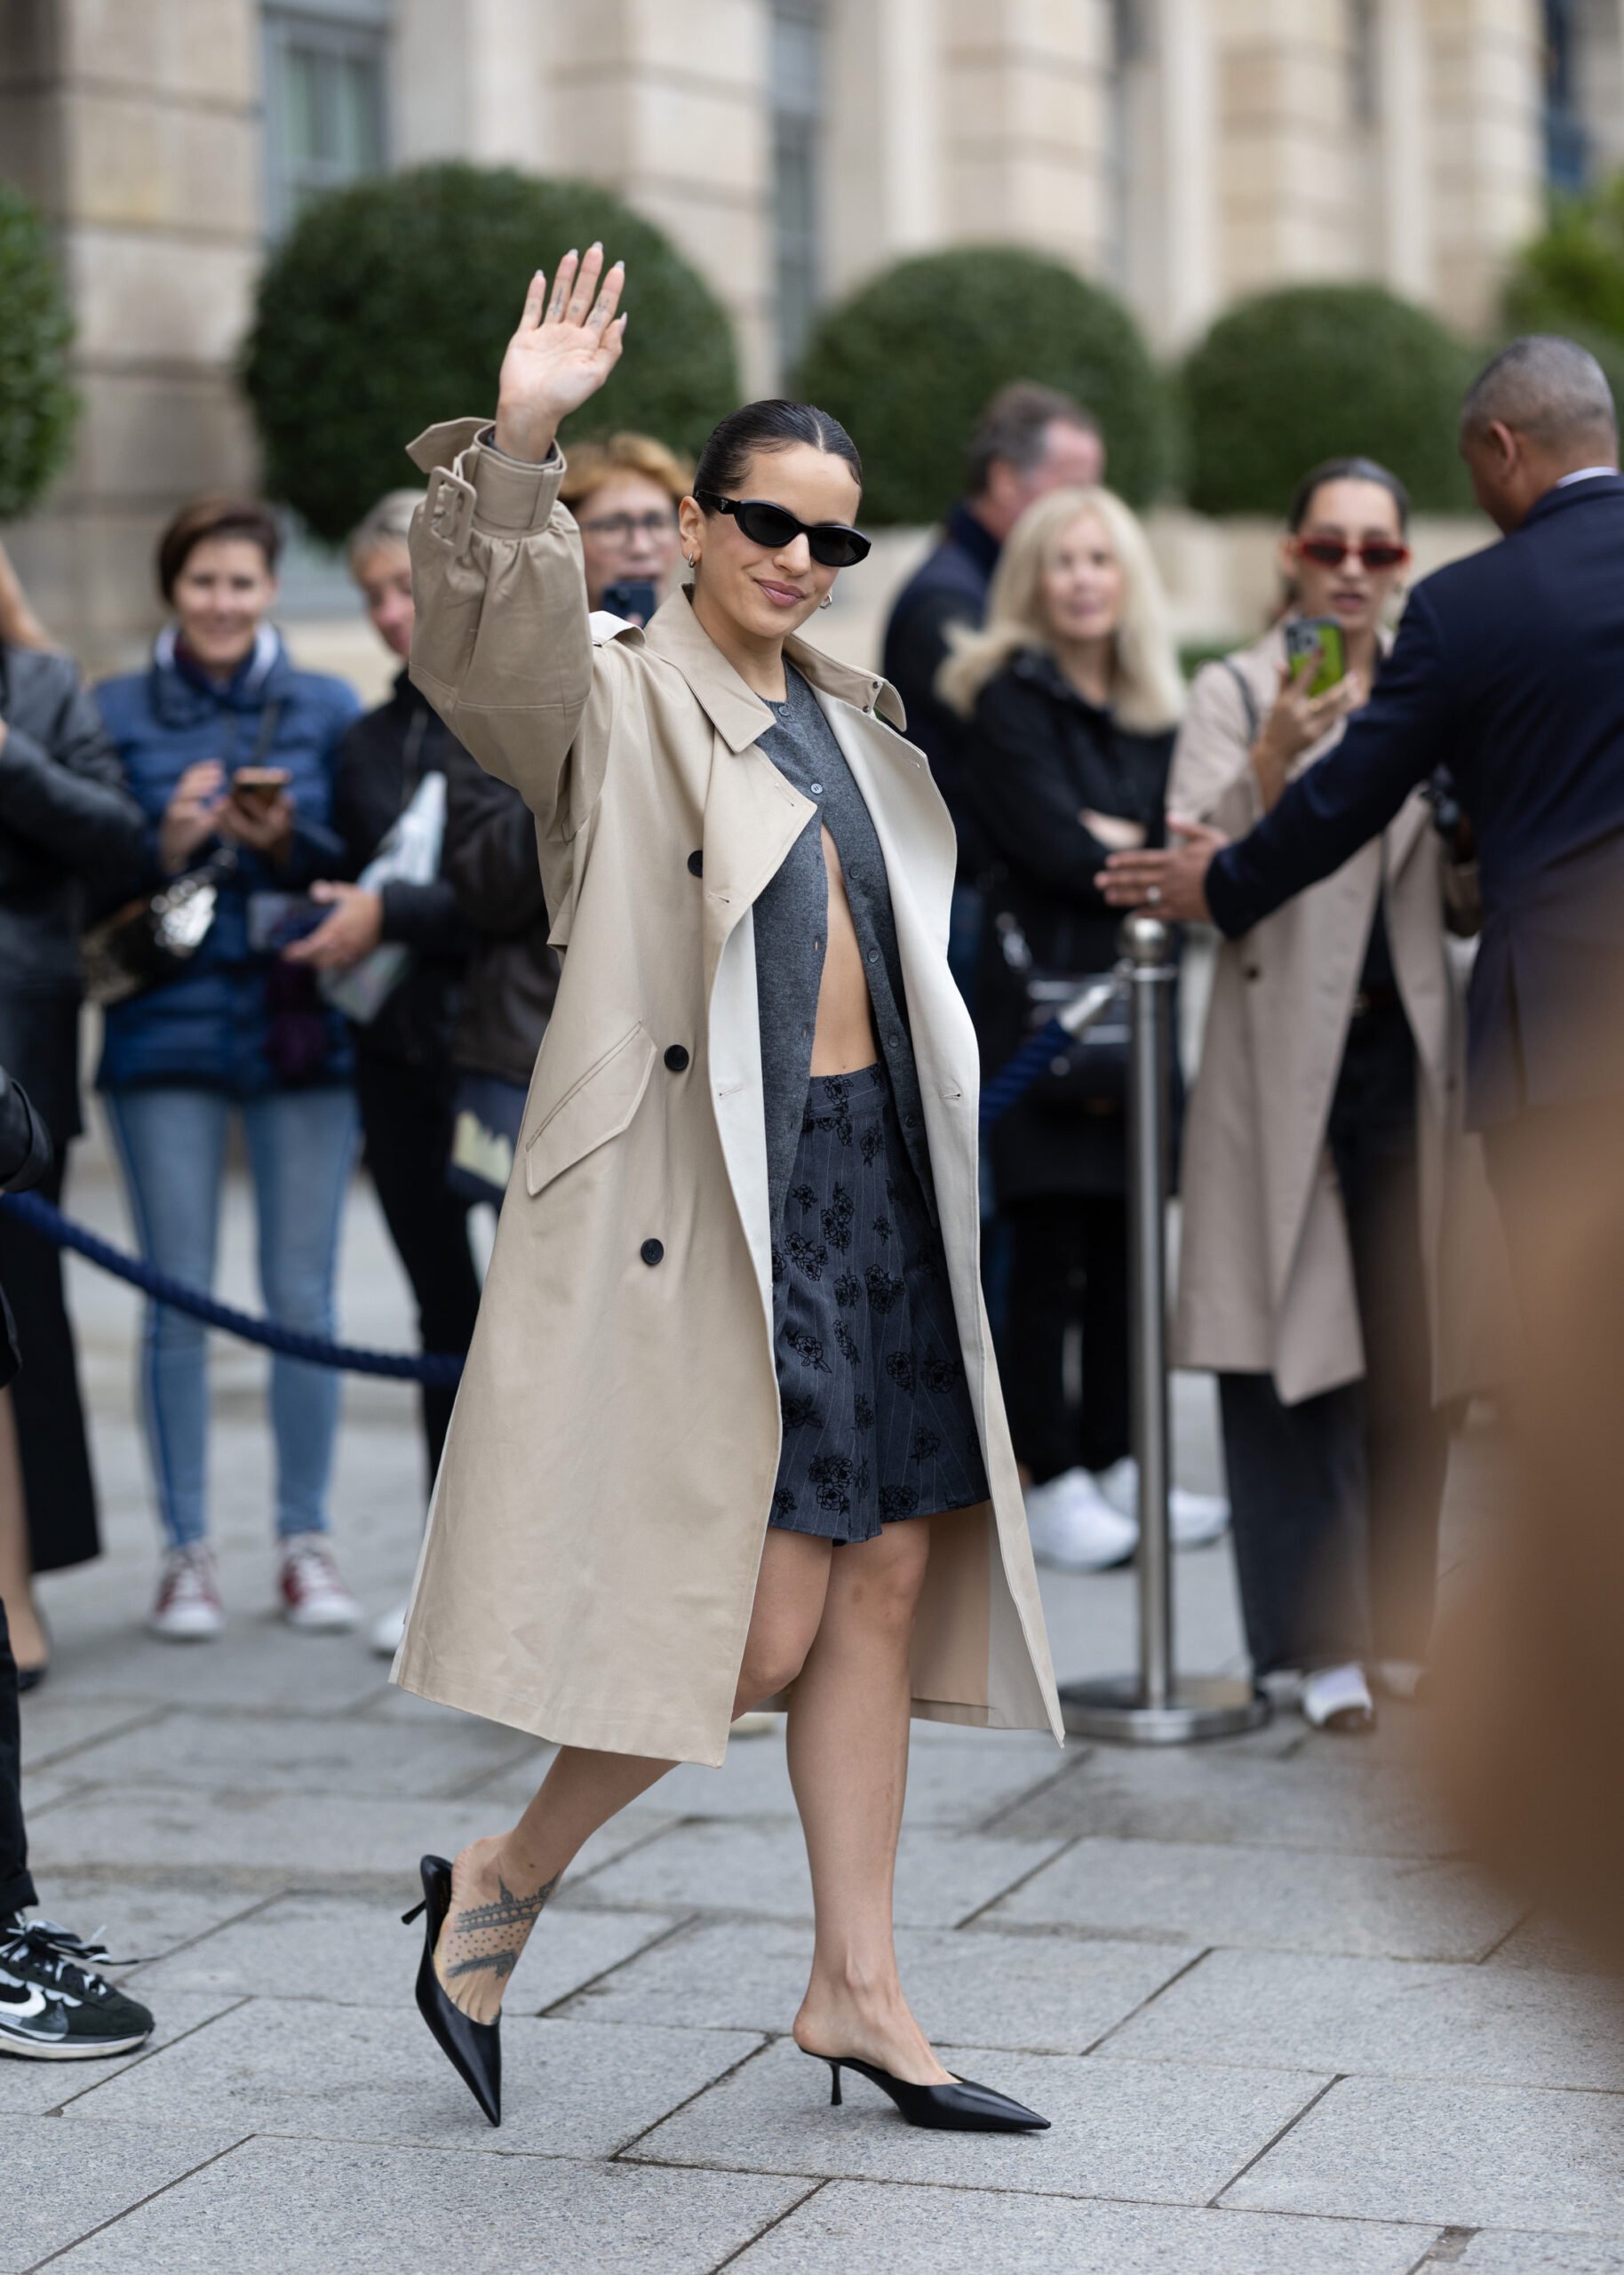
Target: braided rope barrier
(443, 1369)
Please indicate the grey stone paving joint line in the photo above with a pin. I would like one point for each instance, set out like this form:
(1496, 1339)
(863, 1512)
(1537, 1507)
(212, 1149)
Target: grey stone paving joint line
(777, 2221)
(1014, 1888)
(151, 2196)
(1215, 2203)
(1149, 2000)
(149, 2053)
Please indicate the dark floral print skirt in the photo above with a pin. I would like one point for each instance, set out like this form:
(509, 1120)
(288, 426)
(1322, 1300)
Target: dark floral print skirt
(877, 1416)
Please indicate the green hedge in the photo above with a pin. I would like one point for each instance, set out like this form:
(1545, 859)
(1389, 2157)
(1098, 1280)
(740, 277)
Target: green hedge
(390, 303)
(1571, 278)
(908, 362)
(1315, 371)
(37, 406)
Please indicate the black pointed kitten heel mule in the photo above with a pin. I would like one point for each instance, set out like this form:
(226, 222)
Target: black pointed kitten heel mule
(962, 2106)
(474, 2049)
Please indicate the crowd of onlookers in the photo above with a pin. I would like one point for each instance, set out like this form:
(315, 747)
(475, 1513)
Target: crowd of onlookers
(370, 972)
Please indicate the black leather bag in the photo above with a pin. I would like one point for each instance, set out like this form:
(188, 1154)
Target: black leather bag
(1088, 1072)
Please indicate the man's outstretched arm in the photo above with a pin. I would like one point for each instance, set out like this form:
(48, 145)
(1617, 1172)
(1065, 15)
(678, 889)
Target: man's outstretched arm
(1325, 815)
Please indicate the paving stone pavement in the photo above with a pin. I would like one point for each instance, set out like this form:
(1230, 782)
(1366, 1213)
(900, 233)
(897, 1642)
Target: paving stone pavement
(1281, 2027)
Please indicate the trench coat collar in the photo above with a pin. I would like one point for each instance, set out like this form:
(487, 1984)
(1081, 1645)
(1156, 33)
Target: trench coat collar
(738, 715)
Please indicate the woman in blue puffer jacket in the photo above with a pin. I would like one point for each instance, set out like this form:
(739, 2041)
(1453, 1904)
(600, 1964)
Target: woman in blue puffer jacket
(229, 750)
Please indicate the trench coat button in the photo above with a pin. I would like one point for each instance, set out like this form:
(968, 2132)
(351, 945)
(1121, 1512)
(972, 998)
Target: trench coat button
(695, 864)
(816, 789)
(676, 1058)
(651, 1251)
(874, 956)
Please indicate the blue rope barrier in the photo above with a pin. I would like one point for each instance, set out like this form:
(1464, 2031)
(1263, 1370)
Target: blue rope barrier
(440, 1369)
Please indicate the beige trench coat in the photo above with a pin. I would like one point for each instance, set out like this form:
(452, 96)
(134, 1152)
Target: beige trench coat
(1265, 1275)
(590, 1559)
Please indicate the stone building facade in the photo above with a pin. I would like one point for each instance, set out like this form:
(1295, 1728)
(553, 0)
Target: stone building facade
(1187, 151)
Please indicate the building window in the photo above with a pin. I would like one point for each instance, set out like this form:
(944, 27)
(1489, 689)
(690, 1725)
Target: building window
(325, 100)
(797, 86)
(1567, 143)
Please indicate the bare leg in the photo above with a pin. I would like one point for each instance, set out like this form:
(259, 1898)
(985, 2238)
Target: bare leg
(849, 1763)
(16, 1569)
(499, 1885)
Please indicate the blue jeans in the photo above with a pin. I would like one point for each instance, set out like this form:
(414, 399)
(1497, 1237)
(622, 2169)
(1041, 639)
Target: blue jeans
(301, 1146)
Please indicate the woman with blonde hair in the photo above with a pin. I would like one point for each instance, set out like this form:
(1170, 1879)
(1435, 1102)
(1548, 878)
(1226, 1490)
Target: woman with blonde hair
(624, 494)
(1071, 696)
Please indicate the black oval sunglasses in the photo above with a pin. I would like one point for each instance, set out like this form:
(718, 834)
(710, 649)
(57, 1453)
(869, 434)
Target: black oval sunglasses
(833, 543)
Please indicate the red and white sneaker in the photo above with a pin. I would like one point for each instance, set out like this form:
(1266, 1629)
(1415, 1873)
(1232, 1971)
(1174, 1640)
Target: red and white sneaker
(312, 1595)
(189, 1607)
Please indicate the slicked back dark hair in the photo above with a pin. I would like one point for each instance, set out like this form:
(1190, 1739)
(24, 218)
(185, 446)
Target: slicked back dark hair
(1354, 470)
(773, 423)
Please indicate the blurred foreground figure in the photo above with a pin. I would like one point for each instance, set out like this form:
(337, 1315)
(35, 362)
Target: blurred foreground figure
(53, 2007)
(66, 823)
(1531, 1684)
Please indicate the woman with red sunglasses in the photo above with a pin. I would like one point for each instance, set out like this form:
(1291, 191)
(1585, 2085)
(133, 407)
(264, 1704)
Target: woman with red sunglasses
(1324, 1170)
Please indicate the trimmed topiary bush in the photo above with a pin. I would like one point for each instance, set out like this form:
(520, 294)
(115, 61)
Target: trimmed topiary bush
(37, 406)
(1315, 371)
(1571, 278)
(388, 306)
(908, 362)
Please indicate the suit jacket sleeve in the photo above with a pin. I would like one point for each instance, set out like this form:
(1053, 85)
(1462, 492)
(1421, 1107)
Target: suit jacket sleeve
(1352, 792)
(501, 645)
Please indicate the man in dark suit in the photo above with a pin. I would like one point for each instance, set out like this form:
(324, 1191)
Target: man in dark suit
(1028, 440)
(1508, 669)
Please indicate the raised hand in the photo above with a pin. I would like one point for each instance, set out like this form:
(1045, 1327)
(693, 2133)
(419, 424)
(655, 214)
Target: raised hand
(565, 348)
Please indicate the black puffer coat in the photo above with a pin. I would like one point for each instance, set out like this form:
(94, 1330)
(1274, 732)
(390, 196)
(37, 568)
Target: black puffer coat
(1040, 755)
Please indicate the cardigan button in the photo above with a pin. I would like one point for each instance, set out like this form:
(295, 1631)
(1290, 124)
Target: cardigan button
(696, 865)
(651, 1251)
(676, 1058)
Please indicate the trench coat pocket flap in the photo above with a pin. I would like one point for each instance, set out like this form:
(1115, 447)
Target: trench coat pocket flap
(596, 1109)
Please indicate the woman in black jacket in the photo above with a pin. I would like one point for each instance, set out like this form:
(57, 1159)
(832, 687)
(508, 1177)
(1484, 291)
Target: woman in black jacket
(403, 1077)
(1072, 695)
(66, 820)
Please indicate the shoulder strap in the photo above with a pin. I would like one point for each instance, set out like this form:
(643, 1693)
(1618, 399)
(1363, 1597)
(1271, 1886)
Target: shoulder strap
(1248, 700)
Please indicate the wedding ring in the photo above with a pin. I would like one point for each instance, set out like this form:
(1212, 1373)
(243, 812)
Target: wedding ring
(1153, 897)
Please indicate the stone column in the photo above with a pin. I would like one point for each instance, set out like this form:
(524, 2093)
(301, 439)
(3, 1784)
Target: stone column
(1488, 162)
(885, 157)
(1401, 177)
(1026, 147)
(137, 131)
(1288, 167)
(1181, 294)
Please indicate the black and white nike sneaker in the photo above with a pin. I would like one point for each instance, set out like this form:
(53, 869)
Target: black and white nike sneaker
(53, 2005)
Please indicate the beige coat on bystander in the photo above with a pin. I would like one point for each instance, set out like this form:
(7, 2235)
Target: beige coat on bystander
(590, 1559)
(1266, 1276)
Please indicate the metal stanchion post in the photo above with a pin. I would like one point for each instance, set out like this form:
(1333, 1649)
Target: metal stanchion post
(1154, 1707)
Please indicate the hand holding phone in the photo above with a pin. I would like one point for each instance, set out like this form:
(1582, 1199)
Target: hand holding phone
(1316, 653)
(259, 787)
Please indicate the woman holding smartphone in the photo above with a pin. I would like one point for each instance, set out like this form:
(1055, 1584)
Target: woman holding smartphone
(730, 1427)
(229, 750)
(1328, 1190)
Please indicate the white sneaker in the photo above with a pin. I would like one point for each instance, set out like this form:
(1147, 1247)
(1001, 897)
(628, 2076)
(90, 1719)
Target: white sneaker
(188, 1609)
(1074, 1528)
(314, 1598)
(1338, 1698)
(1194, 1520)
(388, 1632)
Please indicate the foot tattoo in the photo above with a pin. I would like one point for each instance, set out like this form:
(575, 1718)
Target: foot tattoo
(479, 1947)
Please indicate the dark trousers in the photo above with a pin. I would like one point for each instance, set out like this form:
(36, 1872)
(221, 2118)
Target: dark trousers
(1336, 1499)
(52, 1448)
(1067, 1267)
(406, 1117)
(16, 1887)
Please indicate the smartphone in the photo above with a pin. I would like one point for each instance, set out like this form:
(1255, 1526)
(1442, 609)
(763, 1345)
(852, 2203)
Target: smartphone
(259, 786)
(275, 920)
(633, 597)
(1307, 634)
